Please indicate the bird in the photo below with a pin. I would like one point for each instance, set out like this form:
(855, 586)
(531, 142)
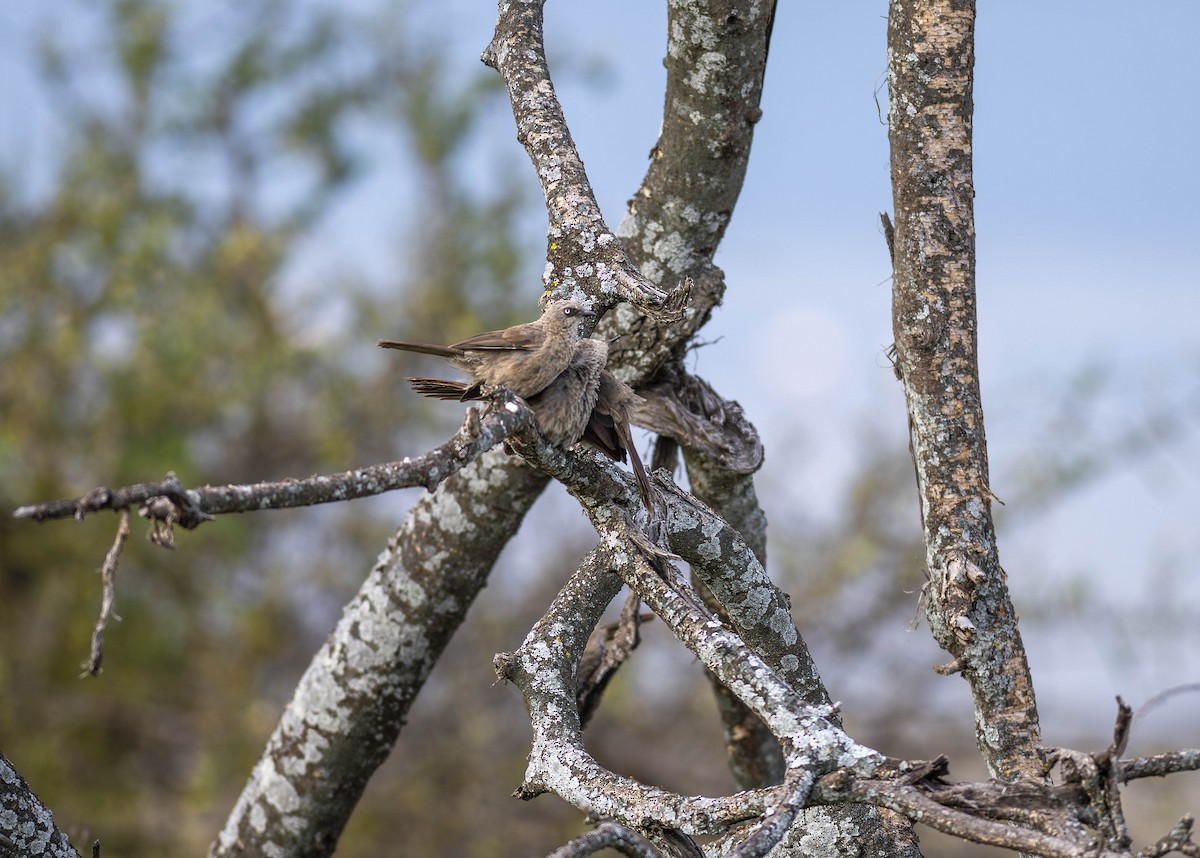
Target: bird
(562, 410)
(608, 430)
(601, 417)
(525, 358)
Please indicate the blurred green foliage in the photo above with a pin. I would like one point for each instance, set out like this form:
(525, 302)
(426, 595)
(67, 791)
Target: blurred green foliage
(146, 325)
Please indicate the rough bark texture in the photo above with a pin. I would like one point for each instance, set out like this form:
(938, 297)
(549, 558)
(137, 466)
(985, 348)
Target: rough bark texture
(761, 643)
(716, 58)
(930, 65)
(582, 255)
(755, 758)
(582, 260)
(716, 61)
(545, 665)
(352, 702)
(26, 825)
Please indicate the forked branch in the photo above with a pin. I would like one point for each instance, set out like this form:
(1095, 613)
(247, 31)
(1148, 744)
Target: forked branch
(582, 252)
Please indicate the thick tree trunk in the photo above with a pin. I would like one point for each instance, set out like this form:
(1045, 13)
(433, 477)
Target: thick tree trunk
(931, 57)
(352, 702)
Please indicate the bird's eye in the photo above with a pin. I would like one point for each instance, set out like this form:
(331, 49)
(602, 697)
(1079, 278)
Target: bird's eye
(568, 311)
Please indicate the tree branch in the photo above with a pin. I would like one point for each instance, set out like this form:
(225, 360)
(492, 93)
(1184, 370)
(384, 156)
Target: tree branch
(168, 501)
(607, 835)
(930, 61)
(1028, 815)
(544, 669)
(722, 451)
(916, 804)
(558, 760)
(583, 254)
(108, 576)
(716, 60)
(26, 825)
(352, 702)
(1161, 765)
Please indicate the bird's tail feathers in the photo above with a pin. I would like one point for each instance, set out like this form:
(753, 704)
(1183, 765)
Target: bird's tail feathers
(421, 348)
(639, 470)
(437, 388)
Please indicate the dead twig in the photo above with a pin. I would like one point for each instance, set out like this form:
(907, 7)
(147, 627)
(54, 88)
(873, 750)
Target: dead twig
(108, 577)
(1178, 839)
(609, 648)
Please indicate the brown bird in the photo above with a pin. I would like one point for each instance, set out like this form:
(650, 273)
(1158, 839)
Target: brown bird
(600, 417)
(562, 410)
(525, 358)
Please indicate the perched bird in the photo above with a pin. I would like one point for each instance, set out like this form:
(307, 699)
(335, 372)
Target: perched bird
(525, 358)
(562, 410)
(585, 402)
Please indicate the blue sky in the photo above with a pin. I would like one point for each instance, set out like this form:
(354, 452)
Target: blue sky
(1088, 256)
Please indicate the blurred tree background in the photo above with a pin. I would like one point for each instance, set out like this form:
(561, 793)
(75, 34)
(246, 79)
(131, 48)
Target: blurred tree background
(148, 322)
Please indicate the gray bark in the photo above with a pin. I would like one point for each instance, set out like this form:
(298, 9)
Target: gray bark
(930, 77)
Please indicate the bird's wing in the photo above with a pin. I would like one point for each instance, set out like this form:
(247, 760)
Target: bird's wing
(517, 338)
(601, 433)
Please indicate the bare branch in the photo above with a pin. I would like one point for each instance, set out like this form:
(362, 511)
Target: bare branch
(1163, 696)
(722, 451)
(916, 804)
(608, 835)
(1178, 839)
(1161, 765)
(930, 62)
(108, 575)
(353, 700)
(687, 409)
(1028, 815)
(559, 762)
(543, 668)
(169, 502)
(716, 59)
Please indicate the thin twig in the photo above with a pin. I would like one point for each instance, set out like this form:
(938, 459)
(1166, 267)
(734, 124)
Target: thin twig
(1161, 765)
(578, 240)
(108, 578)
(1163, 696)
(1109, 764)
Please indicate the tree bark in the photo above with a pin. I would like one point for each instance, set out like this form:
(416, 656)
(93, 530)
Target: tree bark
(930, 66)
(350, 706)
(26, 825)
